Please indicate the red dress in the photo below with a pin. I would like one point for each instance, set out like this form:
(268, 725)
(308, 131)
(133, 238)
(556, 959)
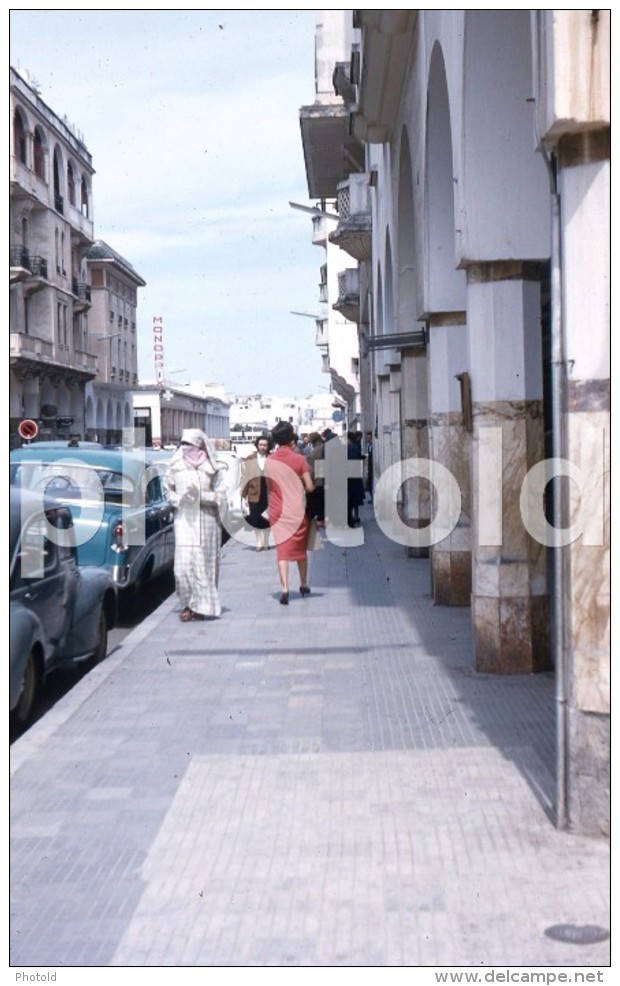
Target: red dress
(287, 517)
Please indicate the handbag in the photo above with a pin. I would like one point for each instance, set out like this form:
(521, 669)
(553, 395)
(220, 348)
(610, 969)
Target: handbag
(315, 541)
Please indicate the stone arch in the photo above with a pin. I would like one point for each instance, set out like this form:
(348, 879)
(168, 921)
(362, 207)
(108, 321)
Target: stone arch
(407, 269)
(445, 285)
(90, 418)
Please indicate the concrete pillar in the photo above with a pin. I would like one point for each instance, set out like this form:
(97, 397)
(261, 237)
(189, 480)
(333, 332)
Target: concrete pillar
(510, 605)
(450, 443)
(383, 450)
(416, 505)
(396, 454)
(584, 184)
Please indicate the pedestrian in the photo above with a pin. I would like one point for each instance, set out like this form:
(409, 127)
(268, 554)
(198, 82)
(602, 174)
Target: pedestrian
(355, 484)
(370, 470)
(288, 478)
(254, 490)
(315, 501)
(303, 443)
(194, 487)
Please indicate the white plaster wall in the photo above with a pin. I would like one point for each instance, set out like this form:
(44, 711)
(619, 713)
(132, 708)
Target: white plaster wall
(334, 36)
(585, 197)
(503, 184)
(504, 339)
(448, 355)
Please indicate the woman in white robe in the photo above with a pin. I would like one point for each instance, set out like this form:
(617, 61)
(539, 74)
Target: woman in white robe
(193, 486)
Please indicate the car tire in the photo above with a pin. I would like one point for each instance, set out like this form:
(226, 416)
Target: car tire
(31, 682)
(101, 650)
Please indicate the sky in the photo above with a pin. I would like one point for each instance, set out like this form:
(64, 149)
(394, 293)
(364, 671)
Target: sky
(192, 121)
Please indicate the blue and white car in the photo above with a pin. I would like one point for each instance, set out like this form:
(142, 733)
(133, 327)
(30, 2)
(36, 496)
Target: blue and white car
(123, 523)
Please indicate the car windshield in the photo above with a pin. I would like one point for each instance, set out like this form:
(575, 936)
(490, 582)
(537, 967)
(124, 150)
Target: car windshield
(69, 480)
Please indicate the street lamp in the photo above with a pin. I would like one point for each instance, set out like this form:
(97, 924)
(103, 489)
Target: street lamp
(110, 336)
(314, 210)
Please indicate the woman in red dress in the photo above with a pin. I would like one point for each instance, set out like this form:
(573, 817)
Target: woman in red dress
(289, 479)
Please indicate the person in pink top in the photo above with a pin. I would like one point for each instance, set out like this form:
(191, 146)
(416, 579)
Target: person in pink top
(289, 479)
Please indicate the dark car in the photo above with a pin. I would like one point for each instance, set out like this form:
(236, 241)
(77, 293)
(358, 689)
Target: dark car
(122, 520)
(59, 613)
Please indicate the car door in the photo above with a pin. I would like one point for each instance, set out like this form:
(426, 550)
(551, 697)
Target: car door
(159, 524)
(42, 582)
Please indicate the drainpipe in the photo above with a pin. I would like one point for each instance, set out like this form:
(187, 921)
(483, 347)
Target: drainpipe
(560, 508)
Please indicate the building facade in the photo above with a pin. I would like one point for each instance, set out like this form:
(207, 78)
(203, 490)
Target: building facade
(51, 232)
(161, 413)
(476, 145)
(112, 327)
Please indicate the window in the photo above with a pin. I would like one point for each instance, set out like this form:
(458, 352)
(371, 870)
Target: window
(70, 183)
(84, 197)
(20, 145)
(37, 555)
(39, 156)
(58, 189)
(62, 325)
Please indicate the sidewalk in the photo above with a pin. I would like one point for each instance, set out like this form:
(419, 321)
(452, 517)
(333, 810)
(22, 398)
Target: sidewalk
(323, 784)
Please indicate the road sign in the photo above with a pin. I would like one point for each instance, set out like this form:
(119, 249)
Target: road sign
(28, 429)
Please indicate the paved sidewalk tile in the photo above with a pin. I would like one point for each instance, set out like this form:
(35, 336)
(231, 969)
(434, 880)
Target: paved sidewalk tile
(324, 784)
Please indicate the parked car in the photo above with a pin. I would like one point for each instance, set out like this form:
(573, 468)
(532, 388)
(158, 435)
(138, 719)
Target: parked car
(59, 613)
(122, 521)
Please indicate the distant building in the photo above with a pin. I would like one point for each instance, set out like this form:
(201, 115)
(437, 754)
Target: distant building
(251, 414)
(112, 326)
(162, 413)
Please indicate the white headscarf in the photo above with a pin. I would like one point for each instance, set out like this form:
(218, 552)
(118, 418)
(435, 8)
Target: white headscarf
(200, 448)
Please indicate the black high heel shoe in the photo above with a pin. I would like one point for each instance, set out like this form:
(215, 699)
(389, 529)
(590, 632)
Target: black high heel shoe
(304, 590)
(284, 599)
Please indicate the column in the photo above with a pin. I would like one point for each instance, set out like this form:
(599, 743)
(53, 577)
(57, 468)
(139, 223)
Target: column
(416, 506)
(584, 182)
(450, 446)
(510, 605)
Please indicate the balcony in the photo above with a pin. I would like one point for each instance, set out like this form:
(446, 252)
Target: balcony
(319, 231)
(323, 290)
(348, 304)
(19, 264)
(322, 332)
(27, 347)
(29, 269)
(353, 233)
(81, 294)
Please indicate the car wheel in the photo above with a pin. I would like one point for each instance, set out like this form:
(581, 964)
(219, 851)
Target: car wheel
(28, 695)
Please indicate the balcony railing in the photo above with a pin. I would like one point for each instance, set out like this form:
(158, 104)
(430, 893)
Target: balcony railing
(19, 257)
(59, 203)
(25, 346)
(38, 267)
(81, 292)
